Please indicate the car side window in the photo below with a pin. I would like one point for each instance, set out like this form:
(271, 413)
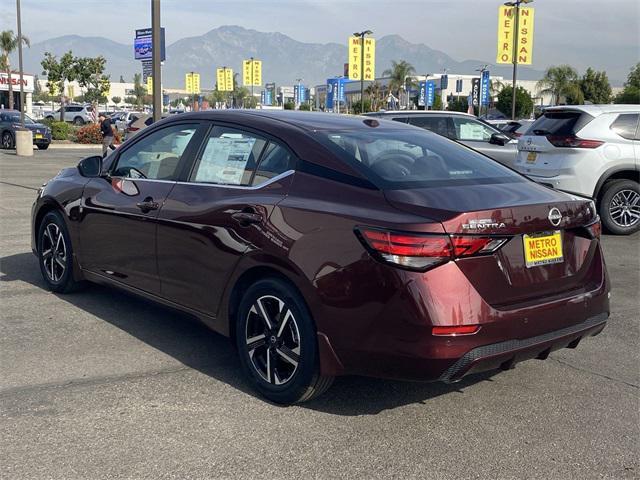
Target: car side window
(471, 130)
(400, 119)
(434, 123)
(156, 156)
(229, 157)
(625, 125)
(275, 160)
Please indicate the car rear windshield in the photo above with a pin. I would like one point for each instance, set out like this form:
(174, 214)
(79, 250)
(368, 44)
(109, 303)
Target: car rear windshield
(567, 122)
(413, 158)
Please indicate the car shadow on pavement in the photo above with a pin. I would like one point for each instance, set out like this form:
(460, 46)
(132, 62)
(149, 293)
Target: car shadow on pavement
(191, 343)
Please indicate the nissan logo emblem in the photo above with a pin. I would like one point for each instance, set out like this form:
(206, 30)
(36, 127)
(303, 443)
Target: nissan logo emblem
(555, 217)
(528, 141)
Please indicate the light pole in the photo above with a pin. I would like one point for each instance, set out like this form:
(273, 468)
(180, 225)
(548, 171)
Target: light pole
(156, 53)
(298, 96)
(252, 82)
(362, 35)
(516, 6)
(20, 63)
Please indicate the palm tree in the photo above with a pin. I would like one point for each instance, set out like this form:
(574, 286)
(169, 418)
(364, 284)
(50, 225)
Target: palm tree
(374, 90)
(561, 82)
(8, 43)
(398, 74)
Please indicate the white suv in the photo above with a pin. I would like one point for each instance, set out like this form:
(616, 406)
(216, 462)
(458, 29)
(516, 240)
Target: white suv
(589, 150)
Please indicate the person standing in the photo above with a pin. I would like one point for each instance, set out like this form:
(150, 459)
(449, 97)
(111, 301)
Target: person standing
(107, 134)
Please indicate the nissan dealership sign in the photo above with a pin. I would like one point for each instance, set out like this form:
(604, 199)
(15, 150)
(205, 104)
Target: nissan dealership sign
(27, 82)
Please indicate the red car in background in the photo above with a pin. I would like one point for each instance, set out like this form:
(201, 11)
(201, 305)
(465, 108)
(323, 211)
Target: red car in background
(327, 245)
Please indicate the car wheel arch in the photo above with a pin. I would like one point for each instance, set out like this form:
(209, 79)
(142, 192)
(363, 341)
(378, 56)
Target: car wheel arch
(620, 173)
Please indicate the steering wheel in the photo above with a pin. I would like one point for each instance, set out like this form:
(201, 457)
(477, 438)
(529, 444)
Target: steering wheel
(393, 164)
(130, 172)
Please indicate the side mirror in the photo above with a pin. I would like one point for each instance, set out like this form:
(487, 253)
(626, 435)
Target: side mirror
(91, 166)
(499, 139)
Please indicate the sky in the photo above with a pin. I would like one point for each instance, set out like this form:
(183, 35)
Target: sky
(604, 34)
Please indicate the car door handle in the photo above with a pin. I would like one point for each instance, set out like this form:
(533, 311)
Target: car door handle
(246, 218)
(147, 205)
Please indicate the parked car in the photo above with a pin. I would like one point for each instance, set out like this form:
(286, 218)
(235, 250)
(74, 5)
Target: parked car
(10, 121)
(140, 122)
(328, 245)
(76, 114)
(124, 119)
(461, 127)
(589, 150)
(516, 128)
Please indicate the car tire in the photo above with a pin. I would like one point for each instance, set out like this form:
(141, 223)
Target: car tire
(280, 361)
(620, 200)
(78, 121)
(7, 140)
(55, 254)
(43, 147)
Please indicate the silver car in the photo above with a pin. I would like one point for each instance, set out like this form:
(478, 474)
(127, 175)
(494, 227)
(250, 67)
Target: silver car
(589, 150)
(461, 127)
(76, 114)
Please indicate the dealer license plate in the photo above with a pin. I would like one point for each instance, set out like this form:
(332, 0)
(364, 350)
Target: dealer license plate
(531, 157)
(38, 135)
(543, 248)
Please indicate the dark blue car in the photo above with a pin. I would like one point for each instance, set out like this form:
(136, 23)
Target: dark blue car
(10, 121)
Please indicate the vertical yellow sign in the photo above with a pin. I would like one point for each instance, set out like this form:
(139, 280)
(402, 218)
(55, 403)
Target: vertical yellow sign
(354, 58)
(506, 28)
(149, 84)
(369, 68)
(70, 92)
(224, 79)
(507, 35)
(525, 36)
(192, 82)
(252, 73)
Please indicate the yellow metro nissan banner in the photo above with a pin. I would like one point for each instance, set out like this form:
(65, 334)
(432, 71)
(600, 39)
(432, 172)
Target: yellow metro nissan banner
(224, 79)
(355, 57)
(507, 34)
(192, 82)
(252, 73)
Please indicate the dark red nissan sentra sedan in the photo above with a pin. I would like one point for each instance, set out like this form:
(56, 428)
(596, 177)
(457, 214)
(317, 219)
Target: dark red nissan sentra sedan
(327, 245)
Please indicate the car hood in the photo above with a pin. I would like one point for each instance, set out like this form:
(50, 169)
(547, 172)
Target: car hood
(36, 126)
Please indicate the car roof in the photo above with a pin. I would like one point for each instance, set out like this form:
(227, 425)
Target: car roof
(304, 120)
(418, 112)
(595, 110)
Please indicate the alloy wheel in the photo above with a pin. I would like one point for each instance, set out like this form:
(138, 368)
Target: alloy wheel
(273, 340)
(54, 252)
(625, 208)
(6, 140)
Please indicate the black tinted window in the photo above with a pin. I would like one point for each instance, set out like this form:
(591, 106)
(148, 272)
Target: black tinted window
(440, 125)
(559, 123)
(625, 125)
(275, 160)
(410, 158)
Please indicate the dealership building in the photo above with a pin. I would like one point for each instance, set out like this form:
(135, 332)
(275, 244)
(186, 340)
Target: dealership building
(27, 86)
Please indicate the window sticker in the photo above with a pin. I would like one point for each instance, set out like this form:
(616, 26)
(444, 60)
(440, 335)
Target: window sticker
(224, 160)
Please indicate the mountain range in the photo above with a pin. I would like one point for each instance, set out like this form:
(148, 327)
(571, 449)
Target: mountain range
(283, 58)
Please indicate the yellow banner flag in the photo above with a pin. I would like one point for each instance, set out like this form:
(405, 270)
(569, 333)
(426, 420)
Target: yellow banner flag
(252, 73)
(369, 67)
(224, 79)
(149, 84)
(192, 82)
(70, 92)
(506, 28)
(525, 36)
(354, 58)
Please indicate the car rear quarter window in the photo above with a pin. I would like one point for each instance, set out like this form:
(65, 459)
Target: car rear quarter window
(275, 160)
(410, 158)
(229, 157)
(568, 122)
(626, 125)
(437, 124)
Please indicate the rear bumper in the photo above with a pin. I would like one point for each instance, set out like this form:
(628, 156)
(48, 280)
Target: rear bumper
(505, 355)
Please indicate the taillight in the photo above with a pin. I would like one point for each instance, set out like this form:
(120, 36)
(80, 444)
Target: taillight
(422, 251)
(571, 141)
(454, 330)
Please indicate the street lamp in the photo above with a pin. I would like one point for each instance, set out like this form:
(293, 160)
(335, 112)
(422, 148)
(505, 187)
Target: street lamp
(516, 4)
(362, 35)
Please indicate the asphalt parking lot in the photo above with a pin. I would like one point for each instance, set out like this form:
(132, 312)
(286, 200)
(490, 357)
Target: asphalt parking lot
(100, 384)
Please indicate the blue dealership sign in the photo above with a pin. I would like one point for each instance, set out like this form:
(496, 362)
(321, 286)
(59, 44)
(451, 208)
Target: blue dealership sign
(422, 96)
(300, 93)
(335, 91)
(484, 88)
(143, 44)
(431, 92)
(268, 97)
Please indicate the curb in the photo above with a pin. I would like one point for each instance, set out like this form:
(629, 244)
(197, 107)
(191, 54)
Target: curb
(72, 146)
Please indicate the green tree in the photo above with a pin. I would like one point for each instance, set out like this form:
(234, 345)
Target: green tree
(116, 100)
(8, 43)
(139, 90)
(524, 103)
(458, 104)
(89, 72)
(595, 86)
(398, 75)
(561, 82)
(356, 108)
(58, 72)
(630, 94)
